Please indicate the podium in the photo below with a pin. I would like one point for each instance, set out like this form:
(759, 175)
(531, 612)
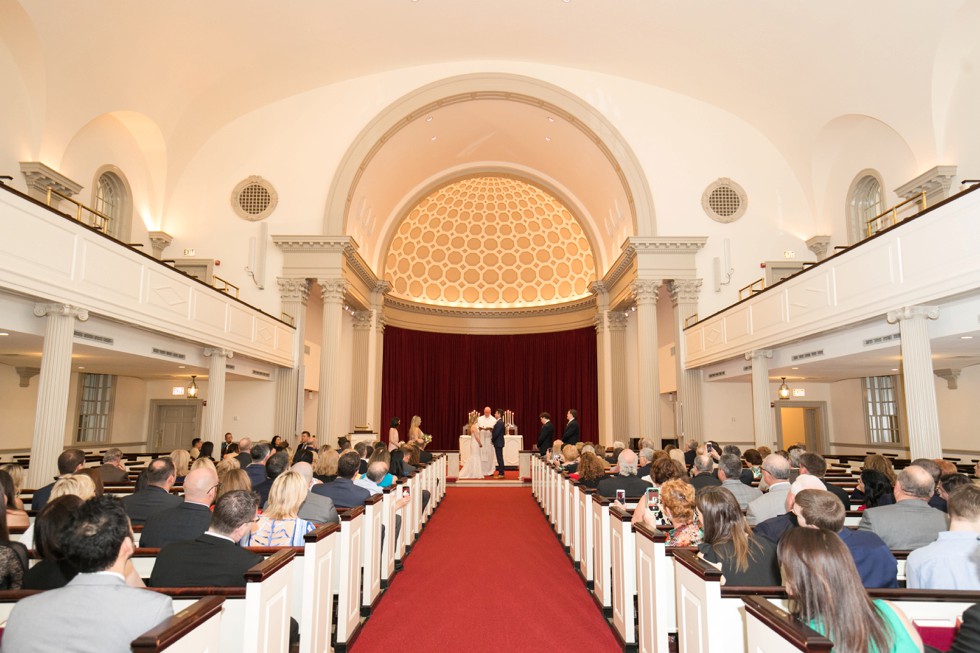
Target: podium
(512, 449)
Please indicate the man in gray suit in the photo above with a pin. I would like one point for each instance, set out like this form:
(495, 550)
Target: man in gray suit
(729, 473)
(97, 610)
(315, 508)
(910, 522)
(775, 473)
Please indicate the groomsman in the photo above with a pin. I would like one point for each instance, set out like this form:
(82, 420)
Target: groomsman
(570, 436)
(224, 445)
(498, 440)
(547, 436)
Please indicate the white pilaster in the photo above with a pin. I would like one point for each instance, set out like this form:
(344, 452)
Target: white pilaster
(212, 428)
(376, 357)
(603, 366)
(762, 413)
(920, 391)
(684, 298)
(619, 404)
(289, 380)
(648, 375)
(363, 338)
(52, 393)
(329, 423)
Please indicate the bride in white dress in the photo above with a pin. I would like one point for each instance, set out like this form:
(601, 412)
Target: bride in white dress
(474, 464)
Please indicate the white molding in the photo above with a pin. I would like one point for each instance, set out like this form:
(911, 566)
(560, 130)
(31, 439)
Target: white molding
(503, 313)
(937, 178)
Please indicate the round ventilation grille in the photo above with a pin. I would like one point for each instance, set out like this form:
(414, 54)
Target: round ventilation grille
(490, 242)
(724, 200)
(254, 199)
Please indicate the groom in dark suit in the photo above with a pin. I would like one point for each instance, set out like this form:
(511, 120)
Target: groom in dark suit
(497, 439)
(547, 436)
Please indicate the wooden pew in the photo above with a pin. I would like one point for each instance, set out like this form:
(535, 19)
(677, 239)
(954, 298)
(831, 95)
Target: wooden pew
(773, 630)
(347, 577)
(622, 557)
(390, 543)
(656, 605)
(586, 548)
(195, 629)
(601, 562)
(374, 519)
(315, 593)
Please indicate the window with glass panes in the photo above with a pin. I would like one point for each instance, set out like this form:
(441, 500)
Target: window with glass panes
(94, 407)
(881, 408)
(107, 202)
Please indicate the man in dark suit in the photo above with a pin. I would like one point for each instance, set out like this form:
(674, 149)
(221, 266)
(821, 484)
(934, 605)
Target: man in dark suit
(362, 450)
(256, 468)
(113, 469)
(497, 439)
(690, 453)
(156, 495)
(213, 558)
(571, 434)
(815, 465)
(244, 452)
(274, 466)
(342, 489)
(305, 448)
(547, 436)
(224, 445)
(69, 462)
(626, 479)
(703, 466)
(187, 520)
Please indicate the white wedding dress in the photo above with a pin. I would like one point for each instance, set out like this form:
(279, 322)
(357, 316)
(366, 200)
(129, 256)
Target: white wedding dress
(474, 464)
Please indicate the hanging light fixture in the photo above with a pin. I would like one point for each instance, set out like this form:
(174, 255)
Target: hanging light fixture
(783, 389)
(192, 388)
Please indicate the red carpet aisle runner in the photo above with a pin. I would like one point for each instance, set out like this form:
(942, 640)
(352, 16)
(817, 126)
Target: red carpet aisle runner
(487, 575)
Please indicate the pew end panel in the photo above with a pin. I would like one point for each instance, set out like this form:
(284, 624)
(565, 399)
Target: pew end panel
(195, 629)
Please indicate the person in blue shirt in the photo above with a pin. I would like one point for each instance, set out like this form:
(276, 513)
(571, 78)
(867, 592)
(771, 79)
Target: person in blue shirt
(952, 562)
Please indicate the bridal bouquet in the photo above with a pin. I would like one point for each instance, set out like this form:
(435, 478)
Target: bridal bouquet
(427, 439)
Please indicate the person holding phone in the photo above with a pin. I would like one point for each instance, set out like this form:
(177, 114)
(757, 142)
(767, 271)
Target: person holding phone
(626, 480)
(676, 503)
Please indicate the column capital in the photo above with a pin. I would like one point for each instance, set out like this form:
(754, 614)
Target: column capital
(911, 313)
(819, 245)
(758, 354)
(294, 290)
(616, 321)
(645, 290)
(684, 291)
(333, 290)
(362, 320)
(212, 352)
(64, 310)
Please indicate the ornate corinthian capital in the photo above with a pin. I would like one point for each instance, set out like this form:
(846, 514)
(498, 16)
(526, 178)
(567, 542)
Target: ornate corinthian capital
(684, 291)
(645, 290)
(333, 290)
(294, 290)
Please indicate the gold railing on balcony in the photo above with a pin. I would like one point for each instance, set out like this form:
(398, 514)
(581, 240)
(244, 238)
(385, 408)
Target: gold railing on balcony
(690, 319)
(288, 319)
(756, 286)
(100, 220)
(224, 286)
(872, 226)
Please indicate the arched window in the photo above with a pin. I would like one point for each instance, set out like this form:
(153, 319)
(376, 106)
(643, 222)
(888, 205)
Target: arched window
(864, 203)
(113, 200)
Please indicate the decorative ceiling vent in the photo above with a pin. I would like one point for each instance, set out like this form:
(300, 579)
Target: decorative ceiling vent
(229, 366)
(254, 199)
(264, 375)
(746, 368)
(809, 354)
(877, 341)
(715, 375)
(169, 354)
(724, 200)
(94, 338)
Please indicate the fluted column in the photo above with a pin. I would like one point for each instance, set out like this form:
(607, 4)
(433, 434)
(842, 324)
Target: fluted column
(214, 413)
(603, 364)
(920, 389)
(363, 337)
(52, 393)
(376, 357)
(619, 405)
(289, 380)
(328, 419)
(684, 298)
(648, 372)
(763, 418)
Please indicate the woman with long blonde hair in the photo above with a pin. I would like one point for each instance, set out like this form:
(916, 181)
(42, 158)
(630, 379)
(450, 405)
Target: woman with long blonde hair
(182, 464)
(325, 465)
(415, 434)
(280, 524)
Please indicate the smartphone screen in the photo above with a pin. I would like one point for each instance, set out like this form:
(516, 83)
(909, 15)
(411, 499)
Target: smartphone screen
(406, 491)
(653, 499)
(621, 495)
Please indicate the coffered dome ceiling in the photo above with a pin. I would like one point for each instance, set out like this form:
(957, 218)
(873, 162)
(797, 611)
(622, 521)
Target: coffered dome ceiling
(489, 243)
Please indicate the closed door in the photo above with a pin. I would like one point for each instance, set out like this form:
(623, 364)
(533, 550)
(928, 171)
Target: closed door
(176, 426)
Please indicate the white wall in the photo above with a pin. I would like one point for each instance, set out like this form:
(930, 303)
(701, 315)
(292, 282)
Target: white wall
(249, 410)
(958, 411)
(17, 405)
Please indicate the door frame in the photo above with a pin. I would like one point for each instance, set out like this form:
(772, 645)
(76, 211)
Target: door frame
(152, 432)
(821, 437)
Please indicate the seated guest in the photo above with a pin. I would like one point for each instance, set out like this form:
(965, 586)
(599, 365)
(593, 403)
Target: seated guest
(315, 508)
(207, 451)
(952, 562)
(17, 478)
(690, 452)
(342, 490)
(729, 473)
(156, 495)
(343, 444)
(678, 506)
(875, 490)
(226, 465)
(590, 470)
(325, 465)
(935, 471)
(244, 452)
(280, 524)
(186, 520)
(274, 466)
(53, 570)
(626, 479)
(113, 469)
(362, 450)
(256, 468)
(815, 465)
(645, 458)
(195, 450)
(96, 480)
(77, 484)
(612, 456)
(745, 476)
(703, 466)
(676, 454)
(569, 457)
(214, 558)
(775, 527)
(662, 469)
(232, 480)
(911, 522)
(775, 474)
(69, 462)
(376, 471)
(97, 610)
(397, 464)
(794, 453)
(381, 455)
(754, 461)
(406, 460)
(743, 557)
(826, 594)
(875, 563)
(13, 559)
(949, 482)
(968, 634)
(182, 464)
(231, 452)
(16, 517)
(878, 463)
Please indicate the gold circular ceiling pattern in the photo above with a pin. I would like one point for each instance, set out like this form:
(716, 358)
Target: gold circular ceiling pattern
(490, 242)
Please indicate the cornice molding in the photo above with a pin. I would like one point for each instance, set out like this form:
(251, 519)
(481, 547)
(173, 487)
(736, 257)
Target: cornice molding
(315, 244)
(504, 313)
(655, 244)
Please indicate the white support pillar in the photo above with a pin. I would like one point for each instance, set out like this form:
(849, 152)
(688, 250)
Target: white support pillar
(762, 413)
(619, 404)
(289, 380)
(328, 420)
(684, 297)
(52, 392)
(376, 358)
(603, 363)
(214, 413)
(920, 389)
(363, 338)
(648, 369)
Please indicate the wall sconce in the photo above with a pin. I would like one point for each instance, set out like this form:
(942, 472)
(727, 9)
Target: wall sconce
(783, 389)
(192, 388)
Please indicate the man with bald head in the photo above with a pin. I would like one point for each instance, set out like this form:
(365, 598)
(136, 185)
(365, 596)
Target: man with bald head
(626, 480)
(187, 520)
(775, 473)
(775, 527)
(910, 522)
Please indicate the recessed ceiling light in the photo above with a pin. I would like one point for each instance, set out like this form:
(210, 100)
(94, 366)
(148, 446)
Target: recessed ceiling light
(81, 367)
(433, 138)
(4, 333)
(966, 337)
(547, 138)
(894, 369)
(429, 119)
(180, 367)
(794, 368)
(550, 119)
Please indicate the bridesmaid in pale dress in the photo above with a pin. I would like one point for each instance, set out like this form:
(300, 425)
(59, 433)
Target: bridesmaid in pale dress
(393, 442)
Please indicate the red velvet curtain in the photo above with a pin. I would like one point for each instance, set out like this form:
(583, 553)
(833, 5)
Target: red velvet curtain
(442, 376)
